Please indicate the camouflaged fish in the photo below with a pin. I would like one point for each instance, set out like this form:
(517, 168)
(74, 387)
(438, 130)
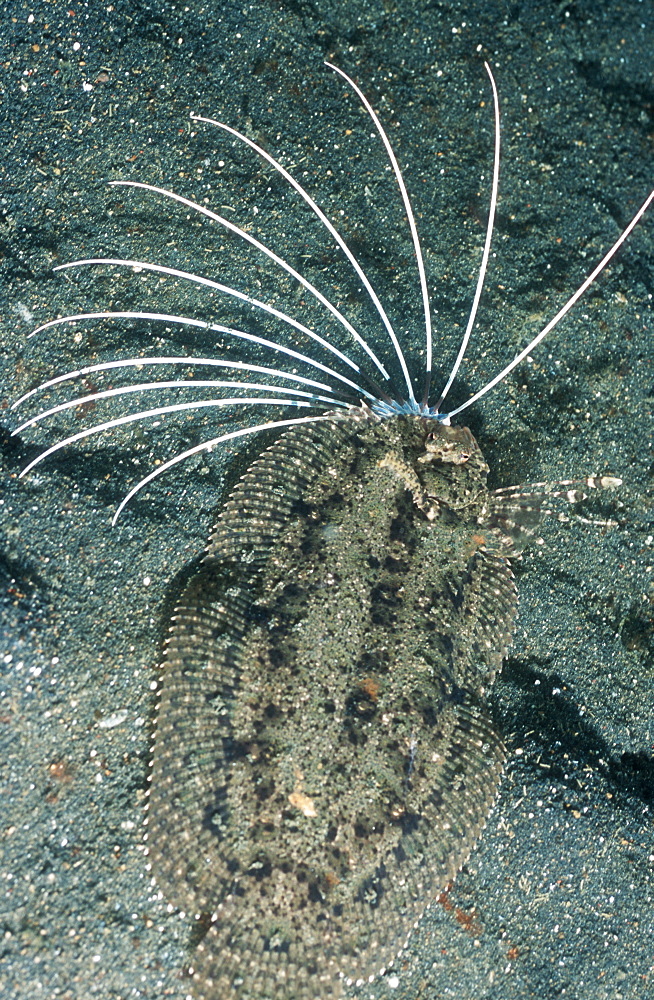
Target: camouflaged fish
(324, 758)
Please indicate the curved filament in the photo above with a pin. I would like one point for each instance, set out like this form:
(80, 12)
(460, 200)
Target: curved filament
(409, 214)
(214, 328)
(207, 446)
(330, 228)
(157, 412)
(123, 390)
(226, 289)
(562, 311)
(487, 245)
(269, 253)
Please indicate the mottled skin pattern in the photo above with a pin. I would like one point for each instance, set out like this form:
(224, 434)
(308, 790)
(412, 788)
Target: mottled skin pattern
(324, 761)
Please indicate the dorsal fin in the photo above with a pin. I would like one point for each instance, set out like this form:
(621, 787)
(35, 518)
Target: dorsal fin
(274, 484)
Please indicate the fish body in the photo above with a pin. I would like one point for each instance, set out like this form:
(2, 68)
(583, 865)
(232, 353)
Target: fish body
(325, 759)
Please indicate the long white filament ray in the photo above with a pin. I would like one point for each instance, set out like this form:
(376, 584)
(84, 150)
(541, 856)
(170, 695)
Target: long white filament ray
(269, 253)
(487, 245)
(207, 446)
(188, 361)
(123, 390)
(214, 328)
(226, 289)
(157, 412)
(407, 208)
(562, 312)
(329, 227)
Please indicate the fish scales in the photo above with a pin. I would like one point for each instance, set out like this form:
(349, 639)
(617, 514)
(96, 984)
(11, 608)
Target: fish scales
(324, 760)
